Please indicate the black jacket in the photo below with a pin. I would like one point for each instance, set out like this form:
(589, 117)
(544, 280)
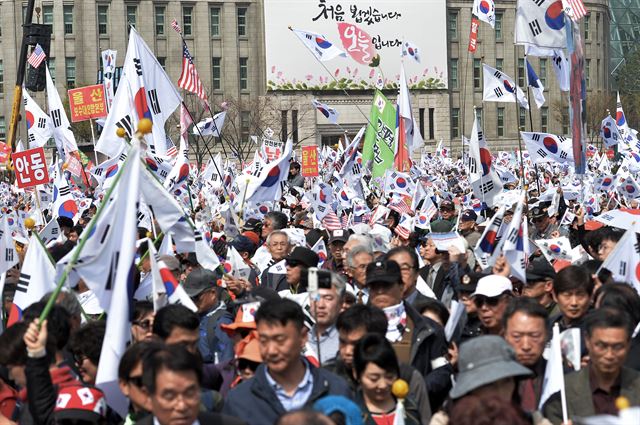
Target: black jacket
(255, 401)
(277, 282)
(428, 349)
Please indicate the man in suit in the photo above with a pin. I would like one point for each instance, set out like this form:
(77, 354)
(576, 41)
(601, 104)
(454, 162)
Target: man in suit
(594, 389)
(172, 378)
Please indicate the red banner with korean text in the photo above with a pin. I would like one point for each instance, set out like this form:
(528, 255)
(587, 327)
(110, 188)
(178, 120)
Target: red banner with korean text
(87, 103)
(309, 166)
(30, 167)
(473, 35)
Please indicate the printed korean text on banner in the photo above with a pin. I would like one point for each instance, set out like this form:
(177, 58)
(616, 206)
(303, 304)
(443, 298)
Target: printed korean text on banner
(30, 167)
(87, 103)
(357, 42)
(309, 165)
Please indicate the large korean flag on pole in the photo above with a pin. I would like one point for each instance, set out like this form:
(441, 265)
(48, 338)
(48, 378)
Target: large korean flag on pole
(145, 91)
(540, 23)
(499, 87)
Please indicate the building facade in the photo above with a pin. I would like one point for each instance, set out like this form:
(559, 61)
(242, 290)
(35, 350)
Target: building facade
(226, 39)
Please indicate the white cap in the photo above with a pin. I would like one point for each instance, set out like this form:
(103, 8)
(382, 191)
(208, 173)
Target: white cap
(493, 286)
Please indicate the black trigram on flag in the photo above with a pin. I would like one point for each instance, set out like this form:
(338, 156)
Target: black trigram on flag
(563, 155)
(486, 187)
(623, 268)
(541, 152)
(536, 137)
(123, 156)
(498, 75)
(42, 123)
(498, 91)
(153, 101)
(534, 26)
(561, 139)
(23, 282)
(197, 235)
(24, 101)
(538, 2)
(473, 167)
(55, 117)
(127, 124)
(141, 216)
(64, 190)
(636, 246)
(357, 168)
(32, 138)
(98, 171)
(8, 255)
(138, 65)
(163, 173)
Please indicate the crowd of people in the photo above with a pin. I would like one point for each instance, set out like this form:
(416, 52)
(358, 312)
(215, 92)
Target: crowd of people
(371, 330)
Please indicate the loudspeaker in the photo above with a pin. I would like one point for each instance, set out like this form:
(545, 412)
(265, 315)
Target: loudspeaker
(36, 79)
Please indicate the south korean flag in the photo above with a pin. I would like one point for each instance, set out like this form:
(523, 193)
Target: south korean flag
(499, 87)
(609, 132)
(545, 147)
(485, 10)
(555, 249)
(541, 23)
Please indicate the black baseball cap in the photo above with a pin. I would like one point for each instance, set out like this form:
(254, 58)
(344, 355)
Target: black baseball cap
(383, 271)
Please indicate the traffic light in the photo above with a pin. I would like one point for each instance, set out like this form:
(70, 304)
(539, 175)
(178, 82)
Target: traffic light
(37, 34)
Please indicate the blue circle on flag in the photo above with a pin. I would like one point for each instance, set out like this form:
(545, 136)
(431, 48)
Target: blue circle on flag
(272, 178)
(550, 144)
(507, 86)
(554, 16)
(485, 7)
(401, 182)
(322, 43)
(68, 209)
(620, 119)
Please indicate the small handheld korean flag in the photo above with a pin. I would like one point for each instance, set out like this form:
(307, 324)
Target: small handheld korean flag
(609, 132)
(555, 249)
(624, 260)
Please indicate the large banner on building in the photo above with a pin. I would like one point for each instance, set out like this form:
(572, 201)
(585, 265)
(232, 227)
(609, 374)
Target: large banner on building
(356, 27)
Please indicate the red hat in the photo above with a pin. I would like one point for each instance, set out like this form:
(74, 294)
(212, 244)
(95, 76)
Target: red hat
(79, 401)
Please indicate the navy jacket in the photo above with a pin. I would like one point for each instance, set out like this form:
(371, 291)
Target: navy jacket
(256, 403)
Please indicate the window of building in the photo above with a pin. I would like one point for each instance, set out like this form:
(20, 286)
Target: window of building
(284, 134)
(24, 12)
(103, 19)
(47, 14)
(294, 125)
(245, 125)
(543, 71)
(587, 72)
(159, 17)
(544, 119)
(477, 73)
(521, 74)
(598, 27)
(498, 25)
(452, 19)
(187, 20)
(500, 122)
(522, 118)
(216, 68)
(244, 73)
(163, 62)
(214, 20)
(67, 18)
(132, 14)
(597, 71)
(242, 21)
(421, 120)
(70, 71)
(455, 123)
(432, 123)
(479, 117)
(51, 63)
(453, 74)
(3, 129)
(500, 64)
(1, 78)
(587, 21)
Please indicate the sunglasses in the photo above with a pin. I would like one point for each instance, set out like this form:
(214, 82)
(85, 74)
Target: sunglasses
(480, 300)
(136, 380)
(292, 263)
(244, 364)
(144, 324)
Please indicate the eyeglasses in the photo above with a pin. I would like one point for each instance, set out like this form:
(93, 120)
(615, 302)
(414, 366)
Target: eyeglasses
(292, 263)
(136, 380)
(480, 300)
(144, 324)
(79, 359)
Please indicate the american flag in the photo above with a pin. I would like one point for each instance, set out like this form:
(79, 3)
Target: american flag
(189, 79)
(574, 9)
(331, 222)
(170, 147)
(176, 27)
(400, 206)
(37, 56)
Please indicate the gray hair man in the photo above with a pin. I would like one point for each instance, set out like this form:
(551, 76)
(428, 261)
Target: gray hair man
(326, 310)
(358, 258)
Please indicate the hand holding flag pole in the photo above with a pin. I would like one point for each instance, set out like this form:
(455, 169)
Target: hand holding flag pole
(144, 127)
